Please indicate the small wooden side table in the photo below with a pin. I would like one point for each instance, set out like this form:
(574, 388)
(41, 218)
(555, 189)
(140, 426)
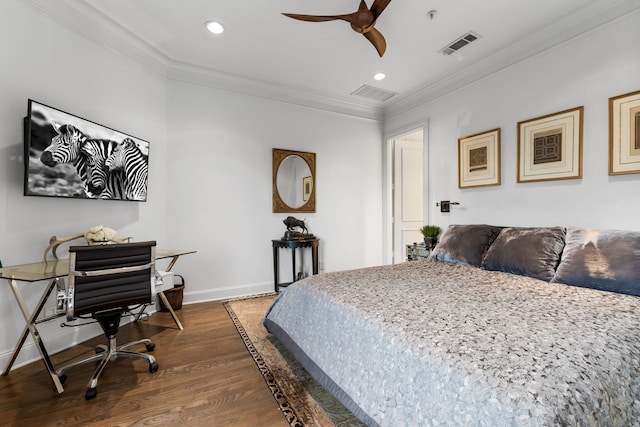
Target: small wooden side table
(293, 245)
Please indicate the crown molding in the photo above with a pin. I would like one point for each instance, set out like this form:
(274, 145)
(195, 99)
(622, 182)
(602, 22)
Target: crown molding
(558, 32)
(193, 74)
(85, 20)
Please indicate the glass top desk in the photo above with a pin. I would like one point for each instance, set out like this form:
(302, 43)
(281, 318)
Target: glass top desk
(54, 271)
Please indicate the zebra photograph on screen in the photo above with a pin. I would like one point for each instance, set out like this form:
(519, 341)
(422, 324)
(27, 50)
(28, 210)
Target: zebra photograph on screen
(66, 156)
(127, 160)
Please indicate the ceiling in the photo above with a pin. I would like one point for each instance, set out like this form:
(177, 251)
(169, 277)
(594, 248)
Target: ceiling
(266, 53)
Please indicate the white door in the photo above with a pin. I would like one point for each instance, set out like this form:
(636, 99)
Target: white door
(407, 194)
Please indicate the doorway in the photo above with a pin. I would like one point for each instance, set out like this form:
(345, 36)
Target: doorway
(406, 177)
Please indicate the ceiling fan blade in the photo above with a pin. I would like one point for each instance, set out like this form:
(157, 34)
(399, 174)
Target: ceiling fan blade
(319, 18)
(361, 21)
(377, 40)
(378, 6)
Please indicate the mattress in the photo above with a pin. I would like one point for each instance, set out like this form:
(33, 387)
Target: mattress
(431, 343)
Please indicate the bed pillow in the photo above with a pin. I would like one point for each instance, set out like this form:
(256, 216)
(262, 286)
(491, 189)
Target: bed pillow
(464, 244)
(533, 252)
(601, 259)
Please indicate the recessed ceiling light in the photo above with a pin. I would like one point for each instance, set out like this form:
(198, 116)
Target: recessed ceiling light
(379, 76)
(215, 27)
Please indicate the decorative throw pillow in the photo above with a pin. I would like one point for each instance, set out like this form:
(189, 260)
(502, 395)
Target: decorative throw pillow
(464, 244)
(601, 259)
(533, 252)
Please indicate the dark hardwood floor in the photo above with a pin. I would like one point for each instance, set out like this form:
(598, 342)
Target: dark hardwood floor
(206, 378)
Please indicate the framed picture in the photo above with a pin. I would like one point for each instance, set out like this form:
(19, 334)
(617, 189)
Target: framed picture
(624, 134)
(307, 186)
(68, 156)
(479, 159)
(550, 147)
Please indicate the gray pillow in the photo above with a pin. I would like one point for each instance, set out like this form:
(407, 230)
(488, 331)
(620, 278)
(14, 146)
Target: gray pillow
(601, 259)
(464, 244)
(533, 252)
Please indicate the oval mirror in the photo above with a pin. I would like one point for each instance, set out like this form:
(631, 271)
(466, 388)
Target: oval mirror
(293, 181)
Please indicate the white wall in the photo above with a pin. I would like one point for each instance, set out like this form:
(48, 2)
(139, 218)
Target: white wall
(585, 71)
(210, 164)
(76, 75)
(209, 177)
(220, 187)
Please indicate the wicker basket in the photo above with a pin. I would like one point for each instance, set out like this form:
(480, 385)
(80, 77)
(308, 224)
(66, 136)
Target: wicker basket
(174, 295)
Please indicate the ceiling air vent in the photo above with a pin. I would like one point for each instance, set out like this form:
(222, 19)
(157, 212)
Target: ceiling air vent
(374, 93)
(459, 43)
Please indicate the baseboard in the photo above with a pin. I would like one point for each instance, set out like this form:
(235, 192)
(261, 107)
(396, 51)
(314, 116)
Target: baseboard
(68, 337)
(227, 292)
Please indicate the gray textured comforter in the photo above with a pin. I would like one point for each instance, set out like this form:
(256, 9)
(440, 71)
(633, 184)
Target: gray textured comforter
(429, 343)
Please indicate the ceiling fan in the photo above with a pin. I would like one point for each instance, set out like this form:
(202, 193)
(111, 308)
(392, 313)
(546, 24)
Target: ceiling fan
(362, 21)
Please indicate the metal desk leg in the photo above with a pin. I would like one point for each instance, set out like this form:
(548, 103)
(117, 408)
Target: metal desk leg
(173, 261)
(35, 334)
(25, 331)
(173, 313)
(164, 299)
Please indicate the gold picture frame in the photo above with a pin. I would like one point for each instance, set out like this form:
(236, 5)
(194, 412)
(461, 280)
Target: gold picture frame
(624, 134)
(479, 159)
(550, 147)
(307, 187)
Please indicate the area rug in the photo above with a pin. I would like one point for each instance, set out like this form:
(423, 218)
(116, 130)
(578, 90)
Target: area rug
(301, 399)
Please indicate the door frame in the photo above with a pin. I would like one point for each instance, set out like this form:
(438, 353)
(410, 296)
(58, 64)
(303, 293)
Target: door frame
(387, 184)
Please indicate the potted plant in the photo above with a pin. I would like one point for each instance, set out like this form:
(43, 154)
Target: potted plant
(430, 233)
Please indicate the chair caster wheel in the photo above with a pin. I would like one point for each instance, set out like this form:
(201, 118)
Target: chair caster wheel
(151, 346)
(62, 378)
(100, 350)
(91, 393)
(153, 367)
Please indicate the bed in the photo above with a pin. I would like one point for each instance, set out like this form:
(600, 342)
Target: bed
(500, 326)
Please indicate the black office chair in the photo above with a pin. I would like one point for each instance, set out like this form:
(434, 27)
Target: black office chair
(104, 281)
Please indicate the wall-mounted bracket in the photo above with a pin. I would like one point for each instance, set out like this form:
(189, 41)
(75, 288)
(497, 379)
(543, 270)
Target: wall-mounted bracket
(445, 205)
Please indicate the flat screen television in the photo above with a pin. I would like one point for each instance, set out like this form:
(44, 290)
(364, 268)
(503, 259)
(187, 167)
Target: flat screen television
(68, 156)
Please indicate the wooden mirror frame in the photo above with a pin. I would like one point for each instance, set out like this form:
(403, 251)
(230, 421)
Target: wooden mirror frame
(279, 205)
